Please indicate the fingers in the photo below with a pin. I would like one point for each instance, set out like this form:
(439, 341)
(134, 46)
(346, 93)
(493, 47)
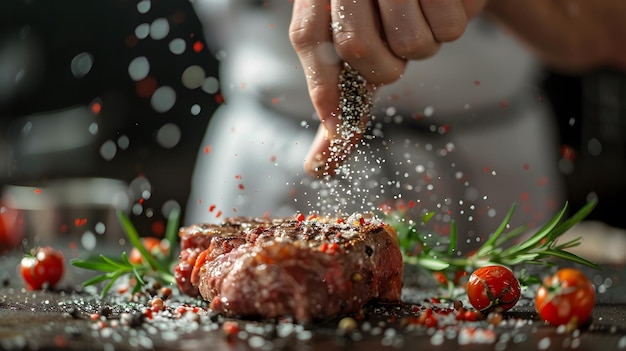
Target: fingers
(310, 36)
(359, 40)
(374, 37)
(407, 29)
(447, 19)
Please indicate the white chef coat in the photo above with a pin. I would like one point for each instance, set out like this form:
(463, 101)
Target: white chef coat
(465, 133)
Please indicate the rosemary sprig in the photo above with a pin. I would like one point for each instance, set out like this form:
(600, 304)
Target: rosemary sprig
(500, 248)
(153, 265)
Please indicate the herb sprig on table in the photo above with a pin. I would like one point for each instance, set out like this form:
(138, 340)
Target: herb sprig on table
(155, 263)
(502, 247)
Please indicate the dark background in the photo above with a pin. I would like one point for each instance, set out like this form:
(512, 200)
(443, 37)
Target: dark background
(53, 33)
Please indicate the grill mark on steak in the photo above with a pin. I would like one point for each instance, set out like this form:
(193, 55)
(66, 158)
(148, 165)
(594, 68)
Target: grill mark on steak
(285, 267)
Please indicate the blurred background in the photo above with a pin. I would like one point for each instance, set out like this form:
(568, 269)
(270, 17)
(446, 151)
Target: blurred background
(103, 105)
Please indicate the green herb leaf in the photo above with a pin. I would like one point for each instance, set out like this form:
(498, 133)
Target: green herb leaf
(115, 268)
(499, 248)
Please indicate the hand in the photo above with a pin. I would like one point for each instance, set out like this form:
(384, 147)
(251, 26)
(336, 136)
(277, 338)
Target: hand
(374, 37)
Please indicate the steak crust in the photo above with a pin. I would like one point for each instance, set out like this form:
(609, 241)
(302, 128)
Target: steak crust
(307, 269)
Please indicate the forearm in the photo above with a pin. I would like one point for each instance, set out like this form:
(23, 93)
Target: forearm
(570, 35)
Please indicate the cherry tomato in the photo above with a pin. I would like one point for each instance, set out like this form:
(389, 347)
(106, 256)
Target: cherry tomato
(42, 269)
(493, 287)
(154, 246)
(566, 298)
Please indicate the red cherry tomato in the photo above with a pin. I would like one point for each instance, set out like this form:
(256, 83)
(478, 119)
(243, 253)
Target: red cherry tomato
(493, 287)
(154, 246)
(42, 269)
(566, 298)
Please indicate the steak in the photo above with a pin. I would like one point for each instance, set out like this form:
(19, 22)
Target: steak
(304, 268)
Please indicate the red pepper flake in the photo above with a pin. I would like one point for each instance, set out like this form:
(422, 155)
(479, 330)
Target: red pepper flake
(275, 100)
(146, 87)
(272, 25)
(218, 214)
(470, 316)
(273, 159)
(212, 208)
(79, 222)
(230, 329)
(158, 228)
(37, 191)
(300, 217)
(96, 107)
(238, 176)
(362, 221)
(148, 313)
(312, 216)
(60, 341)
(181, 310)
(524, 196)
(542, 181)
(427, 318)
(94, 316)
(568, 153)
(207, 149)
(198, 46)
(333, 248)
(341, 220)
(219, 98)
(411, 203)
(440, 278)
(241, 186)
(324, 247)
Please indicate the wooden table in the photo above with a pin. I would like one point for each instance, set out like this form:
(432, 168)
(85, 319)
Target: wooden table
(64, 320)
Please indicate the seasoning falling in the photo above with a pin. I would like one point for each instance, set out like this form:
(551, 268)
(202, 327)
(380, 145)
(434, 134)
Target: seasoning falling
(355, 106)
(354, 101)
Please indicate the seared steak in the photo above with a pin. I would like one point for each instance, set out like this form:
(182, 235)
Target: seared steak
(307, 269)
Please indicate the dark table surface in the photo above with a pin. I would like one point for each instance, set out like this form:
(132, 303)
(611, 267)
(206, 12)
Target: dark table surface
(64, 319)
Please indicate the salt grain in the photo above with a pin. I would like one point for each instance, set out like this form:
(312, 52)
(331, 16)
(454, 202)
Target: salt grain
(544, 343)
